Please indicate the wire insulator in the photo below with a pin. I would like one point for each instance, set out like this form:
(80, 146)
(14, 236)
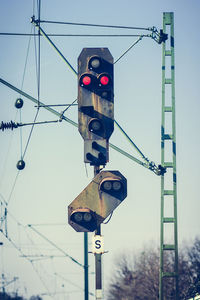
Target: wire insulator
(19, 103)
(9, 125)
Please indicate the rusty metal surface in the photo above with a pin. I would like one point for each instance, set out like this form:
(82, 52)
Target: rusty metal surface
(103, 107)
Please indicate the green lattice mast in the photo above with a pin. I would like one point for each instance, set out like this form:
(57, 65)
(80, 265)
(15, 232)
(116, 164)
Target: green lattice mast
(168, 277)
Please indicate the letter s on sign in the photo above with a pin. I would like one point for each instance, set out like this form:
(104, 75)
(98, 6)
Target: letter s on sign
(97, 244)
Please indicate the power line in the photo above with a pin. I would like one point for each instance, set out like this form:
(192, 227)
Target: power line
(38, 86)
(139, 39)
(36, 101)
(49, 224)
(73, 35)
(151, 166)
(23, 77)
(67, 280)
(71, 122)
(41, 235)
(54, 46)
(54, 245)
(97, 25)
(13, 187)
(20, 250)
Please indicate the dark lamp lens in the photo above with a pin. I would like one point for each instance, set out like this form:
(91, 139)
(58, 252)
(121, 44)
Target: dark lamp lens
(86, 80)
(107, 185)
(95, 125)
(87, 217)
(95, 63)
(117, 186)
(104, 94)
(104, 80)
(78, 217)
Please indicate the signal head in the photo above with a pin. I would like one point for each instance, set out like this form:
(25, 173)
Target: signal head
(114, 187)
(85, 218)
(97, 201)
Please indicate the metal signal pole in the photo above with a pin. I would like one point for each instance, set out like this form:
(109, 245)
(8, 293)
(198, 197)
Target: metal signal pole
(86, 281)
(98, 266)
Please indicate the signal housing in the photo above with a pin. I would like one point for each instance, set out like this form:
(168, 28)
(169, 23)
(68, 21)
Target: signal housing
(98, 201)
(95, 102)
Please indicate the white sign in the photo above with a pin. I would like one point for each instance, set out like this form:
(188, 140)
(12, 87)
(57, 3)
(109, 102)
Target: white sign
(97, 244)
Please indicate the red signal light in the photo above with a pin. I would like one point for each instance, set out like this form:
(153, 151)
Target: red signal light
(104, 80)
(86, 80)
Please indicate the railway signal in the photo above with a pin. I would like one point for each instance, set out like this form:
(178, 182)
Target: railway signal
(95, 103)
(97, 201)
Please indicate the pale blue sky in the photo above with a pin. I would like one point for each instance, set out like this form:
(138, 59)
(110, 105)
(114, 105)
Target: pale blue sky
(55, 173)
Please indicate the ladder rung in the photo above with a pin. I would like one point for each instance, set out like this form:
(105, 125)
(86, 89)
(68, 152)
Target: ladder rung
(168, 164)
(168, 192)
(168, 18)
(168, 220)
(169, 274)
(168, 81)
(168, 247)
(168, 52)
(168, 109)
(167, 137)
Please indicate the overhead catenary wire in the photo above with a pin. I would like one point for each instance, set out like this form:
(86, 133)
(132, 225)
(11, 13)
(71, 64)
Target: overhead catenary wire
(37, 58)
(38, 96)
(69, 281)
(49, 224)
(139, 39)
(22, 85)
(39, 52)
(4, 202)
(36, 101)
(20, 250)
(21, 154)
(4, 213)
(71, 122)
(131, 141)
(54, 245)
(54, 105)
(36, 23)
(13, 186)
(68, 106)
(152, 165)
(96, 25)
(54, 46)
(73, 35)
